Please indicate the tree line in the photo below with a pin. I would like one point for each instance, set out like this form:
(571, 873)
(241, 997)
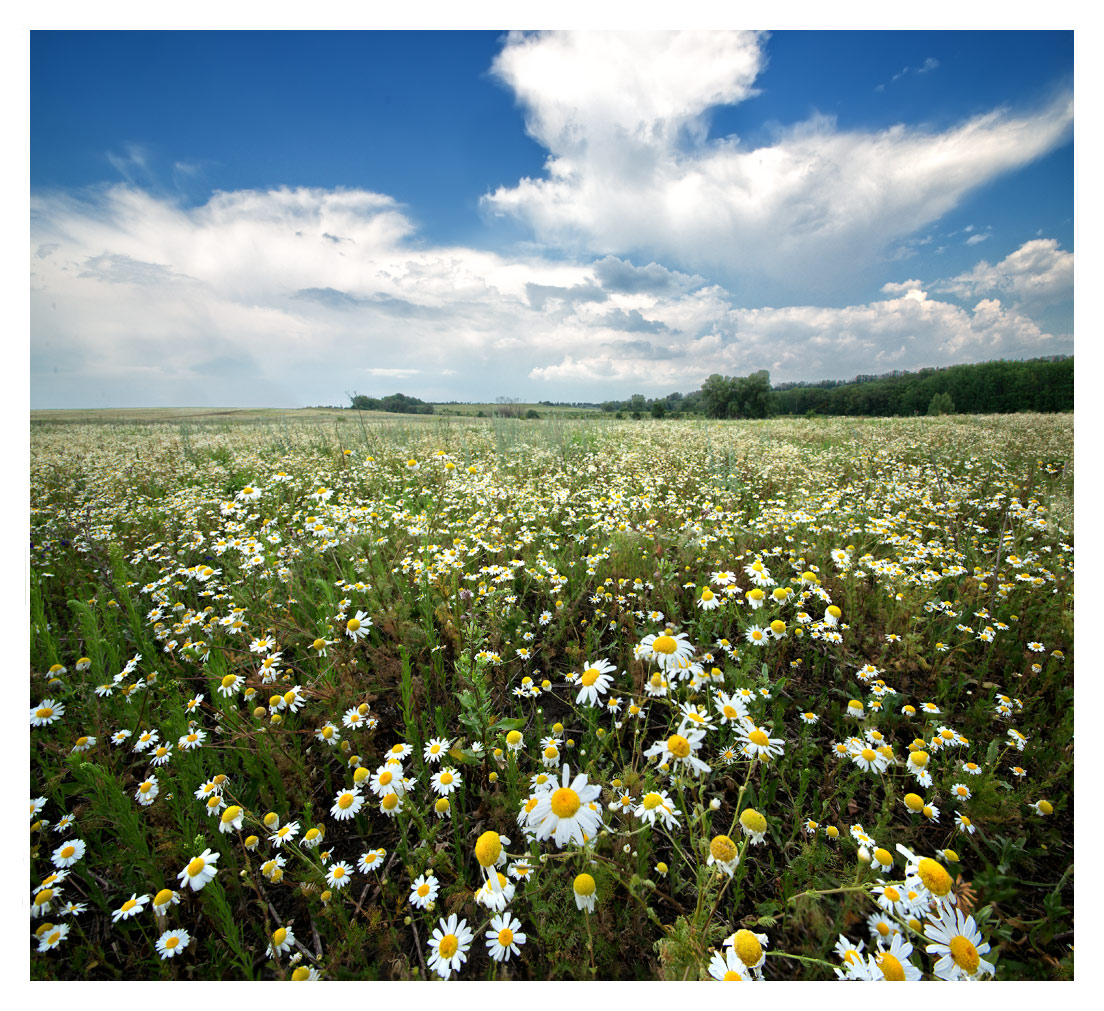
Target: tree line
(1042, 385)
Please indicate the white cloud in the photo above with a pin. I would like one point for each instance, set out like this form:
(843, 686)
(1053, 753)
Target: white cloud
(630, 169)
(1036, 275)
(249, 299)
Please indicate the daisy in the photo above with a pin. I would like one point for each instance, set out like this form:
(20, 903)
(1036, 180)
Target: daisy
(657, 804)
(339, 875)
(48, 711)
(869, 760)
(585, 892)
(728, 966)
(665, 650)
(708, 600)
(893, 963)
(748, 948)
(568, 813)
(173, 941)
(504, 938)
(757, 635)
(448, 946)
(192, 740)
(285, 833)
(445, 782)
(69, 853)
(757, 743)
(372, 860)
(282, 940)
(132, 907)
(163, 900)
(678, 749)
(356, 628)
(52, 938)
(723, 854)
(147, 791)
(436, 749)
(387, 779)
(595, 680)
(754, 825)
(346, 804)
(964, 824)
(957, 940)
(200, 870)
(423, 891)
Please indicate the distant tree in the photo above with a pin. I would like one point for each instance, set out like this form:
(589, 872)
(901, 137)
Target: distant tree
(658, 408)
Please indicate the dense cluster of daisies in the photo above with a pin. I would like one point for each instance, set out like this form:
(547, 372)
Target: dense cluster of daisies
(518, 556)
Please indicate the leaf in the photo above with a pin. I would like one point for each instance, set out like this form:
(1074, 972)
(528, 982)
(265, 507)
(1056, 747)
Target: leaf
(512, 723)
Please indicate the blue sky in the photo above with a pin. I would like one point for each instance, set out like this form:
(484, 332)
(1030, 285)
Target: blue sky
(279, 218)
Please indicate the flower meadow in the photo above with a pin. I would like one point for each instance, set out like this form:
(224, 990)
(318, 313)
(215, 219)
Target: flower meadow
(504, 699)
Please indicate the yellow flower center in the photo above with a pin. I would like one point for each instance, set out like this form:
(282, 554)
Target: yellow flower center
(300, 974)
(748, 949)
(722, 849)
(584, 885)
(1046, 807)
(664, 644)
(869, 754)
(44, 713)
(758, 737)
(707, 594)
(882, 927)
(651, 801)
(423, 890)
(279, 936)
(487, 848)
(446, 778)
(919, 758)
(505, 937)
(352, 624)
(385, 777)
(338, 872)
(129, 905)
(590, 675)
(67, 852)
(345, 801)
(914, 802)
(890, 966)
(964, 954)
(935, 877)
(565, 802)
(678, 746)
(390, 801)
(732, 976)
(442, 805)
(753, 821)
(448, 946)
(892, 894)
(195, 866)
(550, 752)
(513, 737)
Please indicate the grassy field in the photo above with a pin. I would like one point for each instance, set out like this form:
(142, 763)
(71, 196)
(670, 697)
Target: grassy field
(396, 698)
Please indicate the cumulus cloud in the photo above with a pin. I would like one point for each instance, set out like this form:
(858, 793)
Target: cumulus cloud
(631, 169)
(245, 300)
(1036, 275)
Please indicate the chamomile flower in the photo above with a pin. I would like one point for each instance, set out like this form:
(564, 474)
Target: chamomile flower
(172, 942)
(748, 947)
(595, 680)
(723, 854)
(496, 893)
(585, 890)
(372, 860)
(958, 942)
(893, 963)
(445, 782)
(283, 939)
(504, 938)
(757, 743)
(46, 712)
(754, 825)
(339, 875)
(656, 804)
(164, 899)
(964, 824)
(132, 907)
(727, 966)
(678, 751)
(147, 791)
(568, 813)
(356, 628)
(423, 890)
(285, 833)
(68, 853)
(665, 650)
(346, 805)
(448, 946)
(53, 937)
(200, 870)
(436, 749)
